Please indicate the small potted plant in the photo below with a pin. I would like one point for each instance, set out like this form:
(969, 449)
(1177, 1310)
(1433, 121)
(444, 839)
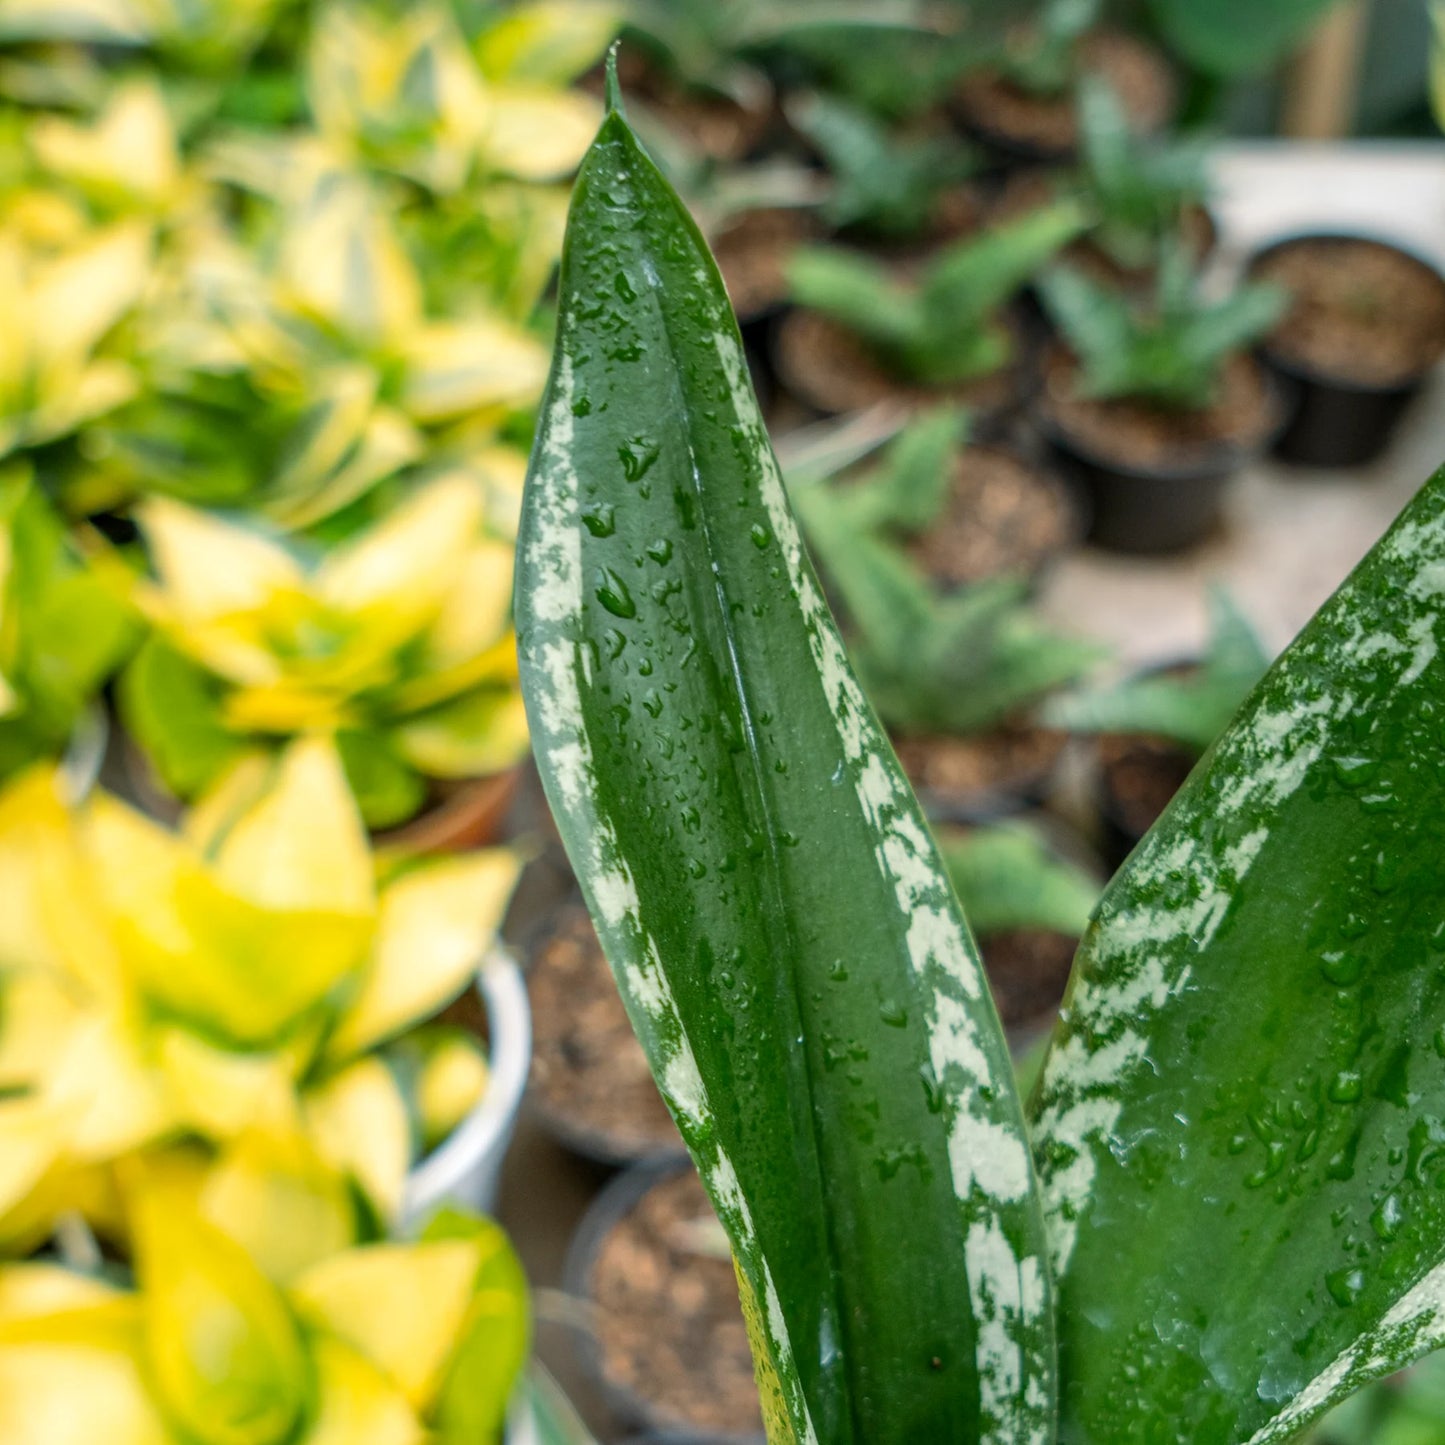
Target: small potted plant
(400, 641)
(1155, 407)
(865, 333)
(891, 186)
(1021, 101)
(961, 512)
(667, 1341)
(954, 678)
(1153, 727)
(261, 963)
(1365, 326)
(1146, 192)
(246, 1309)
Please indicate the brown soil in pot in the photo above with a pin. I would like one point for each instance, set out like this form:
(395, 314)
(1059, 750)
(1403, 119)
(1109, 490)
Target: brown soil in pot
(752, 253)
(830, 369)
(1138, 74)
(1002, 515)
(1362, 311)
(589, 1073)
(1028, 969)
(1009, 761)
(668, 1324)
(1145, 437)
(1139, 775)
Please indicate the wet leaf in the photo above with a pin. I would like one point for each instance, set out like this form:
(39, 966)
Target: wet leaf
(1241, 1125)
(783, 933)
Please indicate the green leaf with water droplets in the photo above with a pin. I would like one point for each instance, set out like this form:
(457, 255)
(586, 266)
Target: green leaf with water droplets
(1241, 1125)
(783, 933)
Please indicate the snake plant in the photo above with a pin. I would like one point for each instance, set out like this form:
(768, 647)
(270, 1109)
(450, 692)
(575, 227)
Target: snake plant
(1170, 352)
(947, 325)
(1220, 1210)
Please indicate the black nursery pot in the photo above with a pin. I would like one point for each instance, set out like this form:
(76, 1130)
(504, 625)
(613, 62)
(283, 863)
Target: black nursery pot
(1156, 509)
(1136, 510)
(1336, 421)
(1336, 424)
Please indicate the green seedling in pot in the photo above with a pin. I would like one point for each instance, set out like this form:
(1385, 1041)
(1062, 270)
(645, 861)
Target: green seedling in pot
(1188, 706)
(952, 664)
(885, 184)
(1140, 189)
(947, 325)
(1171, 352)
(1218, 1213)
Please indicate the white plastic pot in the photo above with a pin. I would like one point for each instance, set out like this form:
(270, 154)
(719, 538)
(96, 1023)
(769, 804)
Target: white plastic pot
(465, 1169)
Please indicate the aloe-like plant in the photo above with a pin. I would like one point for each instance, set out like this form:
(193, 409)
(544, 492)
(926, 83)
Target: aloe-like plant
(947, 325)
(1221, 1200)
(1189, 706)
(1007, 876)
(956, 663)
(1040, 55)
(1171, 351)
(1140, 188)
(886, 184)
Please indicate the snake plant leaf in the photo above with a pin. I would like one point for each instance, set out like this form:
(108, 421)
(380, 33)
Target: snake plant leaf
(782, 930)
(1241, 1125)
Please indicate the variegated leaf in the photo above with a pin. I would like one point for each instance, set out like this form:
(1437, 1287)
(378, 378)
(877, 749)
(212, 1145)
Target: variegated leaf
(1241, 1125)
(784, 936)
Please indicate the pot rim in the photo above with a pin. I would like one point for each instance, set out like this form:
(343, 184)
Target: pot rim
(1216, 464)
(1311, 375)
(615, 1200)
(483, 1136)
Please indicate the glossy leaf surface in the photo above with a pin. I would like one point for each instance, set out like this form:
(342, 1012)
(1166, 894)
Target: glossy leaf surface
(1241, 1125)
(783, 933)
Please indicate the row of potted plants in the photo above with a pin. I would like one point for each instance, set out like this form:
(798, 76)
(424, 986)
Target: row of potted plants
(1072, 304)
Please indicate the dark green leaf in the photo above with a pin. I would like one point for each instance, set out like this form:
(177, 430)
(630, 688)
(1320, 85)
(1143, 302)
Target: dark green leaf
(780, 924)
(1241, 1126)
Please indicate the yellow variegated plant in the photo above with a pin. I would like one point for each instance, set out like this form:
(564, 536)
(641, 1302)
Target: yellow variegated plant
(372, 1344)
(230, 983)
(399, 642)
(60, 306)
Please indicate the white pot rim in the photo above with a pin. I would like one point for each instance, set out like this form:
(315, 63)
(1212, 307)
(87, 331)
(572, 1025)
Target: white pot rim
(488, 1128)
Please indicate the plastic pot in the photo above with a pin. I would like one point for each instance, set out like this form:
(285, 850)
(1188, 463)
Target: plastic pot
(612, 1205)
(472, 815)
(1337, 421)
(464, 1170)
(1153, 509)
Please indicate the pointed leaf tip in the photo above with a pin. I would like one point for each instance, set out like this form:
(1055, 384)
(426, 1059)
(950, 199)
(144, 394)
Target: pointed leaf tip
(614, 86)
